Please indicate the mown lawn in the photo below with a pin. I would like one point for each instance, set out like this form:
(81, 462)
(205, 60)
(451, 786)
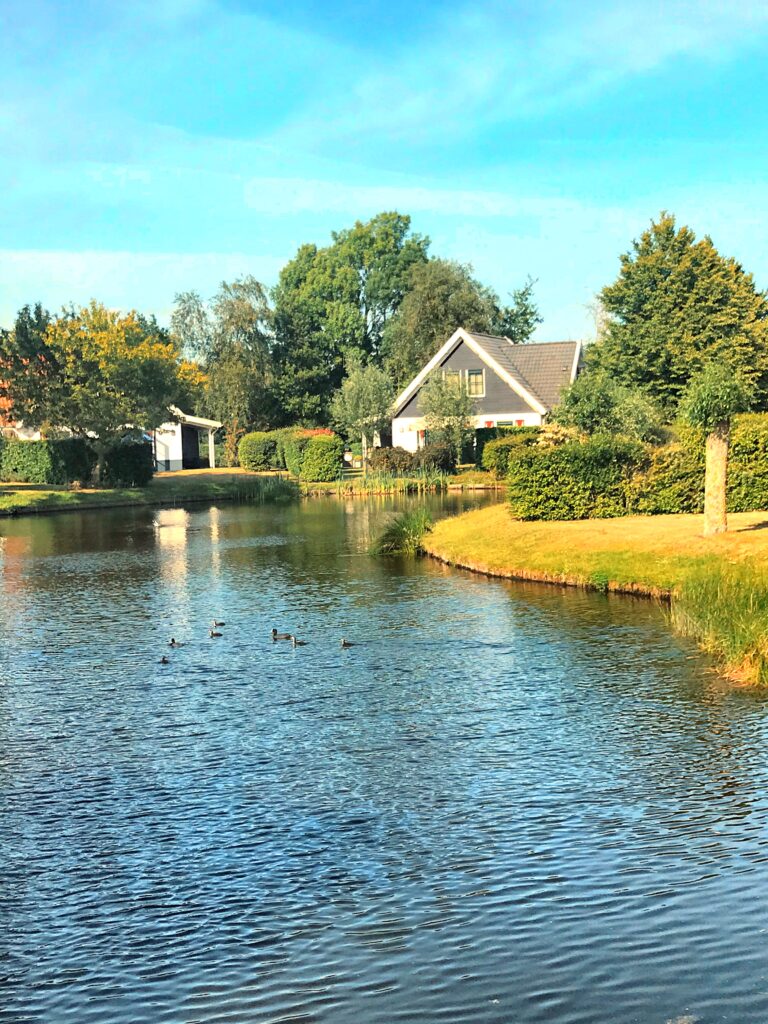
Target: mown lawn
(718, 586)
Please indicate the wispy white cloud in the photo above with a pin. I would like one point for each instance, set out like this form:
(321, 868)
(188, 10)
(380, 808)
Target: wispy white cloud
(483, 65)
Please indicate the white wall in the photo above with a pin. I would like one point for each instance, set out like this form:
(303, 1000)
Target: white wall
(168, 447)
(405, 429)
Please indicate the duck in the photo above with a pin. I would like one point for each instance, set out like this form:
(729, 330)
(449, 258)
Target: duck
(215, 623)
(165, 661)
(346, 643)
(214, 633)
(297, 643)
(280, 636)
(173, 642)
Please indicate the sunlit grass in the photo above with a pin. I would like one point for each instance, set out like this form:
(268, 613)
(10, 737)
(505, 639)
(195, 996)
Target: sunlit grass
(717, 586)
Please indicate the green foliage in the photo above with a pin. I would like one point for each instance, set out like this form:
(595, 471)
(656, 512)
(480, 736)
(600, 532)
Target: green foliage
(323, 458)
(29, 367)
(396, 461)
(46, 462)
(257, 450)
(748, 464)
(576, 480)
(670, 479)
(404, 535)
(596, 403)
(294, 444)
(363, 404)
(129, 464)
(497, 452)
(442, 296)
(434, 458)
(232, 338)
(676, 305)
(447, 412)
(331, 301)
(715, 394)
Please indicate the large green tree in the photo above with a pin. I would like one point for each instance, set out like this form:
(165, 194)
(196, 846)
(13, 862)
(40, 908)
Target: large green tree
(596, 403)
(335, 300)
(444, 295)
(447, 412)
(676, 305)
(28, 367)
(231, 337)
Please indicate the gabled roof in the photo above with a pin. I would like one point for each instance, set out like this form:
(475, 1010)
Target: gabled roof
(536, 371)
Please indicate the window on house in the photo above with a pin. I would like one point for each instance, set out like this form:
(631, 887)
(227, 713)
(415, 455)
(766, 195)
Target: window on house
(452, 377)
(476, 383)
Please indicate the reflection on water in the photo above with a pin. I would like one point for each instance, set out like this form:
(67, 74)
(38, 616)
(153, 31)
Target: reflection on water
(507, 803)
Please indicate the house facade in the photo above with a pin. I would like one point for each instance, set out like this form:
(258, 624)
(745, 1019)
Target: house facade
(511, 385)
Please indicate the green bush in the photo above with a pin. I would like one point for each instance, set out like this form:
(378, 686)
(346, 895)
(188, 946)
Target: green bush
(396, 461)
(129, 464)
(434, 458)
(748, 465)
(670, 479)
(323, 457)
(496, 451)
(46, 462)
(257, 450)
(576, 480)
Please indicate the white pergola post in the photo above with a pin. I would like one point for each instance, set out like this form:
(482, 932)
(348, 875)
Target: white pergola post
(211, 451)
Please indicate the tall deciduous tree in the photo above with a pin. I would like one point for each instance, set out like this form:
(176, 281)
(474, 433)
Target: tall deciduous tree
(27, 365)
(676, 305)
(335, 300)
(597, 404)
(713, 397)
(447, 411)
(113, 373)
(232, 338)
(444, 295)
(363, 404)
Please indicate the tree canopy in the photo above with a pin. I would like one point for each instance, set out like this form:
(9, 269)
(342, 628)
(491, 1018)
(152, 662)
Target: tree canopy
(335, 300)
(676, 305)
(444, 295)
(363, 404)
(447, 411)
(597, 404)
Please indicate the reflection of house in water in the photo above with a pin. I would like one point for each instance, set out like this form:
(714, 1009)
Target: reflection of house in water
(177, 444)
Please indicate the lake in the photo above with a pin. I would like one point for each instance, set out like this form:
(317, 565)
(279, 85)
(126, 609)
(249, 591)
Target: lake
(506, 804)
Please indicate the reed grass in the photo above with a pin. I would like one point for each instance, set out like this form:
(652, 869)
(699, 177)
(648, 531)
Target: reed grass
(404, 534)
(381, 483)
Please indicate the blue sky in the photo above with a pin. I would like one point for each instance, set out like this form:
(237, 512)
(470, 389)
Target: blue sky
(162, 145)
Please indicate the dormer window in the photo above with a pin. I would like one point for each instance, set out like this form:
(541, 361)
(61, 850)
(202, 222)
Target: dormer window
(476, 383)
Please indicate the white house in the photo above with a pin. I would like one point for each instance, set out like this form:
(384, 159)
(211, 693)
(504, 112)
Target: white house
(177, 444)
(512, 385)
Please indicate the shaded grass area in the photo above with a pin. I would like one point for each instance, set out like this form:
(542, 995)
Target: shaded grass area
(717, 586)
(165, 489)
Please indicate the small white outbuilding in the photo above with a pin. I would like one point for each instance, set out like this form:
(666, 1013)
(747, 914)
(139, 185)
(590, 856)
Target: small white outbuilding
(176, 444)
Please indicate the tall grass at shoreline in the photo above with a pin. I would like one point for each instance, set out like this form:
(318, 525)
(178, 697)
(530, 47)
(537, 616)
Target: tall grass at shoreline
(724, 607)
(382, 483)
(404, 534)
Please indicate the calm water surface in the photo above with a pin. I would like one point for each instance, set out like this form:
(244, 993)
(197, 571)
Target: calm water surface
(505, 805)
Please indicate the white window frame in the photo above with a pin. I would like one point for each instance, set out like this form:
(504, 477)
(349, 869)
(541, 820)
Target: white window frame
(481, 371)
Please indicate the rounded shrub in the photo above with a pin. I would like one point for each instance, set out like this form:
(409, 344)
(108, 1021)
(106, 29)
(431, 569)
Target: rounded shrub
(435, 458)
(257, 450)
(496, 452)
(322, 459)
(396, 461)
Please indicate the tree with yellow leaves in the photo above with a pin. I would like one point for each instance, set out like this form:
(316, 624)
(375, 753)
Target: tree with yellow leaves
(106, 375)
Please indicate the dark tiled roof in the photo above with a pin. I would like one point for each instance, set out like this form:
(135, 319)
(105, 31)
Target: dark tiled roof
(543, 368)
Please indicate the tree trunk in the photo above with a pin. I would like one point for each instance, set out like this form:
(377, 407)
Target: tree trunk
(365, 455)
(715, 481)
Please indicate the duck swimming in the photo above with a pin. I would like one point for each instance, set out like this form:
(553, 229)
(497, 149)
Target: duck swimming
(346, 643)
(280, 636)
(173, 642)
(297, 643)
(214, 633)
(215, 623)
(164, 661)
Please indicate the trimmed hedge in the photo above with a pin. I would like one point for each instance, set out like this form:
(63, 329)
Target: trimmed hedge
(576, 480)
(608, 477)
(323, 458)
(396, 461)
(434, 458)
(497, 451)
(130, 464)
(46, 462)
(257, 450)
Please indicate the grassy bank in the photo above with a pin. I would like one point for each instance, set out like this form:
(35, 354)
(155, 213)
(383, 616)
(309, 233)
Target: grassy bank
(717, 586)
(164, 489)
(386, 483)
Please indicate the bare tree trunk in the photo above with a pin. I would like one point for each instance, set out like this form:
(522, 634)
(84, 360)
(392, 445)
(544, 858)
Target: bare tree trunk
(716, 479)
